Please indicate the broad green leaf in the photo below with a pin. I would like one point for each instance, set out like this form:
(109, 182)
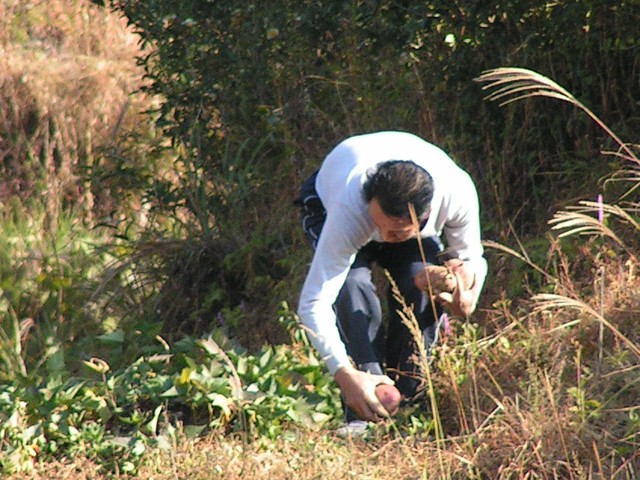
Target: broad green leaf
(115, 337)
(151, 427)
(170, 393)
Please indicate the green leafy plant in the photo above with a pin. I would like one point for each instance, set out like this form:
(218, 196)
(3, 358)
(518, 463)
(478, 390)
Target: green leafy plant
(47, 263)
(197, 385)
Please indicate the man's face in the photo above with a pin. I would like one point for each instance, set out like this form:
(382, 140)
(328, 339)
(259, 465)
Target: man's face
(391, 229)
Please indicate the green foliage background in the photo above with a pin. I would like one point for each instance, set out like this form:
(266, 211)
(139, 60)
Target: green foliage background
(258, 92)
(119, 286)
(290, 79)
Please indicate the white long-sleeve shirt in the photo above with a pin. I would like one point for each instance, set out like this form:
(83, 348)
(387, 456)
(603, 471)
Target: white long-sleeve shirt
(348, 226)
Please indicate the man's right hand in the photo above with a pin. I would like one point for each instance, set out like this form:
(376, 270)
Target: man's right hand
(358, 389)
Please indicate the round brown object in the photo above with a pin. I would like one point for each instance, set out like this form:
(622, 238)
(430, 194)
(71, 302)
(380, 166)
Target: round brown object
(390, 397)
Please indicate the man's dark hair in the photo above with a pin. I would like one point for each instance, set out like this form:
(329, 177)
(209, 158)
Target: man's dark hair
(396, 184)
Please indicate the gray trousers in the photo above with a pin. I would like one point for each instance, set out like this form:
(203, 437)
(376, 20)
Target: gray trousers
(377, 346)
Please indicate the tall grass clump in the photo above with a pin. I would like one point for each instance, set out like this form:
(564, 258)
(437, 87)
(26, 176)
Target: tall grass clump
(68, 83)
(47, 266)
(549, 387)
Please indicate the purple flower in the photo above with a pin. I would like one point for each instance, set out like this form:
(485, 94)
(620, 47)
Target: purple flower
(600, 209)
(446, 326)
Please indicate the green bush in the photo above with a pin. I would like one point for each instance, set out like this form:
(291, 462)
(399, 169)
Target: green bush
(290, 79)
(47, 263)
(195, 385)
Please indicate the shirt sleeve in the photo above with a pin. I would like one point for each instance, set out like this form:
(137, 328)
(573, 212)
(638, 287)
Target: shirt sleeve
(335, 252)
(462, 228)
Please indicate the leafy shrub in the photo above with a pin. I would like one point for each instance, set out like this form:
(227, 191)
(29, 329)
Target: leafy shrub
(253, 95)
(195, 385)
(301, 76)
(47, 263)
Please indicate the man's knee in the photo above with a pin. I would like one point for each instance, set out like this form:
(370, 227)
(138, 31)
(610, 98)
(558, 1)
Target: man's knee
(358, 294)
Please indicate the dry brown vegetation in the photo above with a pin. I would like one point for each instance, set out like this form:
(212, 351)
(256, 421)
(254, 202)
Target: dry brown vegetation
(67, 83)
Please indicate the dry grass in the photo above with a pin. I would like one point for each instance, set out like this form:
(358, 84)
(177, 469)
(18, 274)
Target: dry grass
(307, 456)
(67, 74)
(525, 396)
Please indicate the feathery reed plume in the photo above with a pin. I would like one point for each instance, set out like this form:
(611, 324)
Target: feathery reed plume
(513, 84)
(424, 361)
(626, 175)
(547, 301)
(411, 322)
(584, 220)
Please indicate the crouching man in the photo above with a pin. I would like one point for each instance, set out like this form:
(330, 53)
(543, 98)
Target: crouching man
(373, 198)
